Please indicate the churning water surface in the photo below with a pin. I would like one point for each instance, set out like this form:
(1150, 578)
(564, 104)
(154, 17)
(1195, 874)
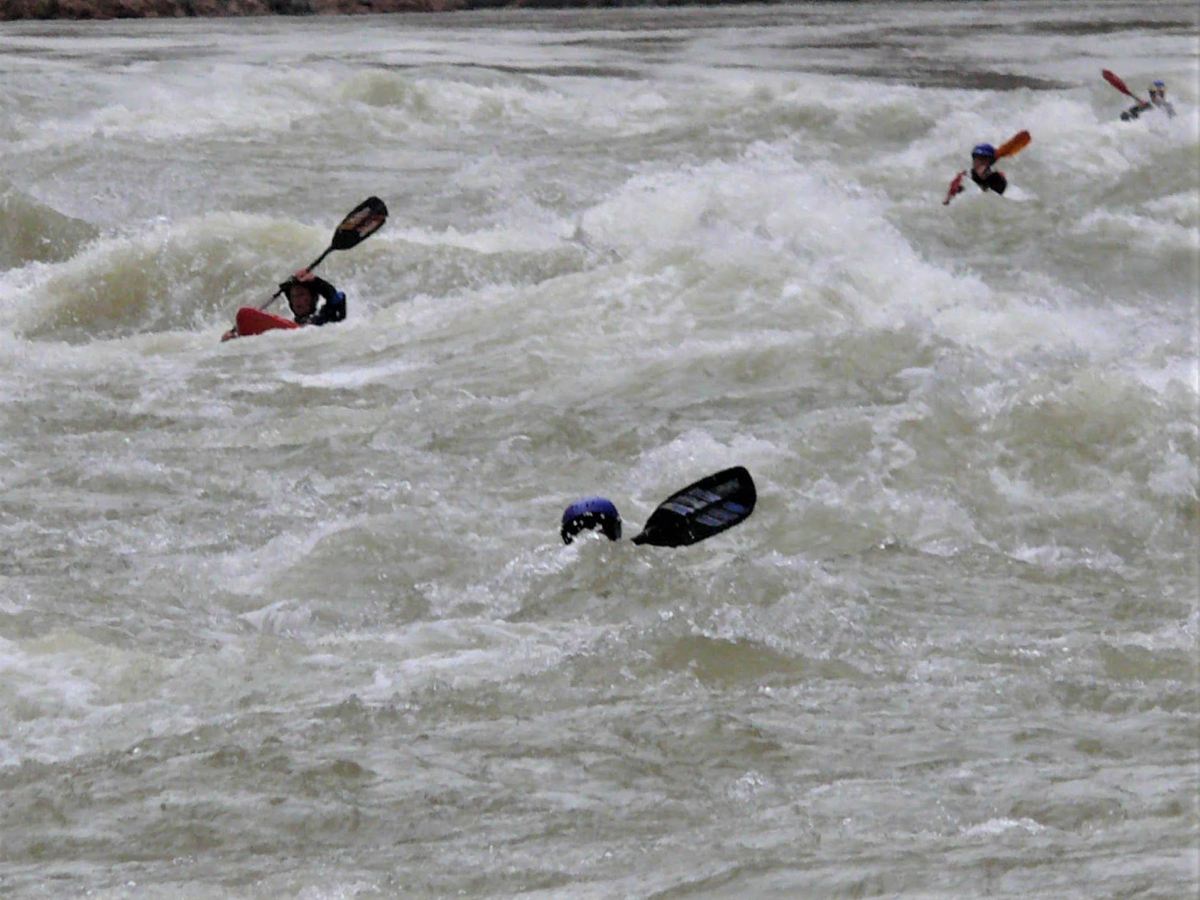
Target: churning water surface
(289, 616)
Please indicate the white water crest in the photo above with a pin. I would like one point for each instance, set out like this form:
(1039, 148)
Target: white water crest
(290, 616)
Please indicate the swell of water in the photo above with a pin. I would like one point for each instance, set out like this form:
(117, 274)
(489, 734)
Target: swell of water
(32, 232)
(289, 615)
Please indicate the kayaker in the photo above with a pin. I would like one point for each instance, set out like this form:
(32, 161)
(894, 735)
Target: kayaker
(1158, 100)
(302, 291)
(709, 506)
(983, 157)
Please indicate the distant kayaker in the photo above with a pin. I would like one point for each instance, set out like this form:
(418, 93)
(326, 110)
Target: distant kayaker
(302, 291)
(1158, 100)
(983, 157)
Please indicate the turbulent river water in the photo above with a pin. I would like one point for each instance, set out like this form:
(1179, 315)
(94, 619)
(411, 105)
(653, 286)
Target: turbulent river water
(290, 616)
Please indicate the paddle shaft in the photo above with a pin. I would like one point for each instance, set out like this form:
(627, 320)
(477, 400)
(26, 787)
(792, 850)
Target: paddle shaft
(312, 265)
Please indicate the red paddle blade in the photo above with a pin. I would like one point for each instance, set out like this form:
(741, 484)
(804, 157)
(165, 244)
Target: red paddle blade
(1115, 80)
(955, 188)
(1014, 145)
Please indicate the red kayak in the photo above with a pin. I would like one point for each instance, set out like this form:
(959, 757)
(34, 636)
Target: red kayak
(255, 321)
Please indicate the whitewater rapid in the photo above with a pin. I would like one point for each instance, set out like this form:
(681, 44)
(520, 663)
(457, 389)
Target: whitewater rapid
(289, 615)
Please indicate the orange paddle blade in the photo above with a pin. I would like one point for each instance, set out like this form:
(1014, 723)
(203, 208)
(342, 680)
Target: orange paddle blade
(1014, 144)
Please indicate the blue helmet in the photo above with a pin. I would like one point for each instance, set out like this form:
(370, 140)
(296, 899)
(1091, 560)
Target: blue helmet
(1161, 85)
(983, 151)
(593, 513)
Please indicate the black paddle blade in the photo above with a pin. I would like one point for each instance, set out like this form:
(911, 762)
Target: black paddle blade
(363, 221)
(701, 510)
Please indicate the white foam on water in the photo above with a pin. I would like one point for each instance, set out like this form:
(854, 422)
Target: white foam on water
(994, 827)
(458, 653)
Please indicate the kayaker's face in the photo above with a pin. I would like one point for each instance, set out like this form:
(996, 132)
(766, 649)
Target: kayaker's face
(980, 164)
(301, 299)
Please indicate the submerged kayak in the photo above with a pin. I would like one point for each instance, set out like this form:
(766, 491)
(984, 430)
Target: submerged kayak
(254, 321)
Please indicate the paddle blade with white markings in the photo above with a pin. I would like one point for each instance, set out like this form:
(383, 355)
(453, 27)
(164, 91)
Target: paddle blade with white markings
(362, 222)
(700, 510)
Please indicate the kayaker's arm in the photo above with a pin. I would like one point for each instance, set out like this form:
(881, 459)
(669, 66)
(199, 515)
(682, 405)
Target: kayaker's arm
(334, 307)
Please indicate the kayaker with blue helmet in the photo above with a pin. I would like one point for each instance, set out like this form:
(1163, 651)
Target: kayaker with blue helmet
(706, 507)
(591, 513)
(983, 157)
(1158, 100)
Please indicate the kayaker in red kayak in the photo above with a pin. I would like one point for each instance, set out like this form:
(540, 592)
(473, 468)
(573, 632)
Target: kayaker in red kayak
(304, 288)
(302, 291)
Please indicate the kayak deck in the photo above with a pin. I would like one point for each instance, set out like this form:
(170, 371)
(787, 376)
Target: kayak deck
(252, 321)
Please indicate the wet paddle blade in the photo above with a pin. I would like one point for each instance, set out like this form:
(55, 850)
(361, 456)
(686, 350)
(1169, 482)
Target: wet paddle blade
(1013, 145)
(1117, 82)
(700, 510)
(362, 222)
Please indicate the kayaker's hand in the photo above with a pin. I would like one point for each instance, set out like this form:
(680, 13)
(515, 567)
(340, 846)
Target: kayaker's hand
(304, 275)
